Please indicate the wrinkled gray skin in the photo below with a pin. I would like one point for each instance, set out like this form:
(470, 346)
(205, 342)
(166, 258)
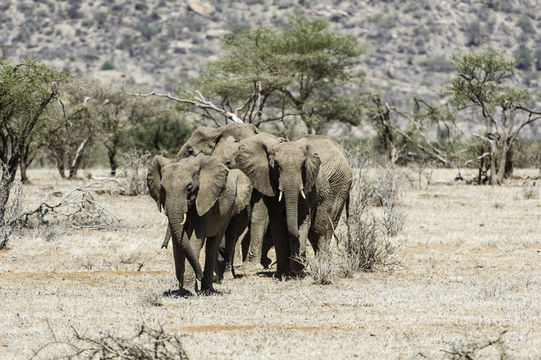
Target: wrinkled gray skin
(199, 195)
(204, 139)
(313, 175)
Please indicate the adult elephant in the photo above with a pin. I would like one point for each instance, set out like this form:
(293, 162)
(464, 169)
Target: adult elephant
(304, 185)
(200, 195)
(204, 139)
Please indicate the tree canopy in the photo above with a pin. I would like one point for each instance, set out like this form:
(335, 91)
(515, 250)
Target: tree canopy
(268, 74)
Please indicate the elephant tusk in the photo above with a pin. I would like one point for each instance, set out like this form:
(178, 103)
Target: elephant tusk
(183, 220)
(302, 194)
(280, 196)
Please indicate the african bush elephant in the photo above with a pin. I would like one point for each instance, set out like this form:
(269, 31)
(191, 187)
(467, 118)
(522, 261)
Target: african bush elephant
(304, 185)
(204, 139)
(256, 221)
(200, 195)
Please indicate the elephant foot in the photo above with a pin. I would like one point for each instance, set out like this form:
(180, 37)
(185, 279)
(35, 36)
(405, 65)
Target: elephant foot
(209, 292)
(228, 274)
(285, 276)
(251, 268)
(178, 293)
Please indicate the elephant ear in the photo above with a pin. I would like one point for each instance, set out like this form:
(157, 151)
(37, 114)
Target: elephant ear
(212, 181)
(244, 191)
(311, 166)
(154, 177)
(253, 159)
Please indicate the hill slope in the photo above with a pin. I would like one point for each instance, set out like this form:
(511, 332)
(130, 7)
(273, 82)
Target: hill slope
(163, 43)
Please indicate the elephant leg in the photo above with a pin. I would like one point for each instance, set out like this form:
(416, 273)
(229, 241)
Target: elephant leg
(189, 275)
(258, 226)
(238, 226)
(211, 250)
(220, 265)
(180, 258)
(267, 244)
(298, 246)
(279, 236)
(322, 229)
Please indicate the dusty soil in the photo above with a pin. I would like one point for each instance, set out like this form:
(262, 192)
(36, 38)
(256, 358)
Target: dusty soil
(469, 269)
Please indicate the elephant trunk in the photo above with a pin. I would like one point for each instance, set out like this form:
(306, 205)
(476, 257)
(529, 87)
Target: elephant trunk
(176, 219)
(291, 199)
(292, 191)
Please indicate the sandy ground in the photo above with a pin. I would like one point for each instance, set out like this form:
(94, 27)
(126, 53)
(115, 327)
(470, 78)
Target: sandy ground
(470, 268)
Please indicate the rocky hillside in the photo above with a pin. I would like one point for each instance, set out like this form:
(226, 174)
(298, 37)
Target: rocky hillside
(162, 43)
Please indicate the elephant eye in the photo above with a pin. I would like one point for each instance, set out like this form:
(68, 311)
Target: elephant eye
(228, 163)
(189, 187)
(190, 151)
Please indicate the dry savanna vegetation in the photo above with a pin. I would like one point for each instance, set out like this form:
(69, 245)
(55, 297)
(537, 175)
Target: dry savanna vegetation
(465, 282)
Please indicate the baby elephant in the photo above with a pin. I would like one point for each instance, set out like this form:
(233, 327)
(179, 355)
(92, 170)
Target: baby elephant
(200, 195)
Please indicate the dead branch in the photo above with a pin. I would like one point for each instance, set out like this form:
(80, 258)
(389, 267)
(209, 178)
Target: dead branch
(78, 206)
(199, 102)
(469, 351)
(429, 149)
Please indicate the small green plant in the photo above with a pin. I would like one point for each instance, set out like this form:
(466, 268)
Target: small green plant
(107, 65)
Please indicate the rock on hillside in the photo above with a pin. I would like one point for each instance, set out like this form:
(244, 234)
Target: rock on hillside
(163, 43)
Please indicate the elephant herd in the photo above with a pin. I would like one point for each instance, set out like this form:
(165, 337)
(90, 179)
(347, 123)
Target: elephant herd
(235, 182)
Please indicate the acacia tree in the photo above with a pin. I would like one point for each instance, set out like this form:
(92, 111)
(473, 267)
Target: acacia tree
(26, 89)
(483, 82)
(299, 71)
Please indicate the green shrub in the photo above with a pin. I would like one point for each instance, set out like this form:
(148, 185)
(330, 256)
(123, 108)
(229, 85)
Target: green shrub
(523, 57)
(107, 65)
(525, 24)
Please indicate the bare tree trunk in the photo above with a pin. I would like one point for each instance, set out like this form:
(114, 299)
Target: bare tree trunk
(24, 176)
(6, 182)
(74, 166)
(26, 159)
(501, 155)
(112, 161)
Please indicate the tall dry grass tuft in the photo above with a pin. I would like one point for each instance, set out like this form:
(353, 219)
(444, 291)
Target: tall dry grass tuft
(134, 164)
(320, 268)
(388, 192)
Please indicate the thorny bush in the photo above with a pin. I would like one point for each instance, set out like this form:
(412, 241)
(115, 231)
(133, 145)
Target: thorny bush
(147, 344)
(367, 244)
(134, 164)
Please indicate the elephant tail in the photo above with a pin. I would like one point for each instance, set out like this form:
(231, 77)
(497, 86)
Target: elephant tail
(347, 208)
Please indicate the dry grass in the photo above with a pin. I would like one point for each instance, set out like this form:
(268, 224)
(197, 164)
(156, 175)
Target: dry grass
(469, 270)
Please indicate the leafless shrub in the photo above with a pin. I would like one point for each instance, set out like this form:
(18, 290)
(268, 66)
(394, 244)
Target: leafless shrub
(78, 207)
(468, 351)
(134, 164)
(12, 211)
(148, 343)
(529, 191)
(367, 244)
